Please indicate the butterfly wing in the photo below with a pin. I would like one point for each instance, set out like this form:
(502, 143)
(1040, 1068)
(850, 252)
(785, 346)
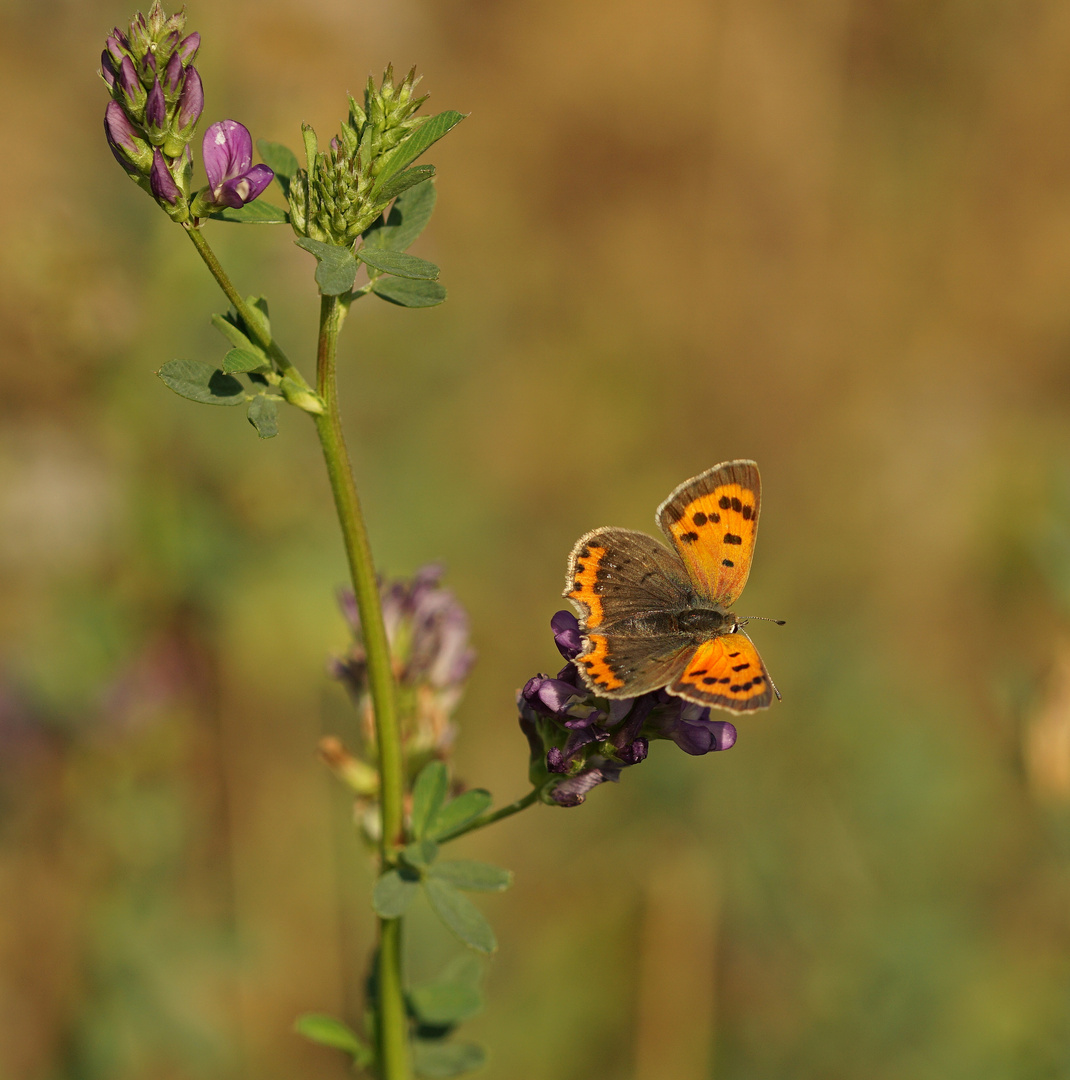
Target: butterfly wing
(625, 666)
(613, 575)
(712, 522)
(728, 673)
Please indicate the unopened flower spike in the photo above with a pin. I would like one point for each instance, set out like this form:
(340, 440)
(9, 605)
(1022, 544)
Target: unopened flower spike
(150, 75)
(337, 195)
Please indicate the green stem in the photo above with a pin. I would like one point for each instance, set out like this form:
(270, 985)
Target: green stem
(495, 815)
(393, 1024)
(252, 324)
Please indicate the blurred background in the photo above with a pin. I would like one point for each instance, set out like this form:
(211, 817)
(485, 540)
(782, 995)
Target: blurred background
(832, 236)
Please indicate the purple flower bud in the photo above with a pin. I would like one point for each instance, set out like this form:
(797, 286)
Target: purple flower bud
(190, 104)
(233, 180)
(131, 151)
(108, 68)
(187, 48)
(567, 634)
(162, 182)
(130, 85)
(172, 76)
(155, 110)
(116, 45)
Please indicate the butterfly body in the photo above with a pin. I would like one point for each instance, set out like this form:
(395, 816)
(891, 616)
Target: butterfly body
(654, 617)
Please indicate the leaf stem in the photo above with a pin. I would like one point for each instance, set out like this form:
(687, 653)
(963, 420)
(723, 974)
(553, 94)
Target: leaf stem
(490, 818)
(252, 324)
(393, 1024)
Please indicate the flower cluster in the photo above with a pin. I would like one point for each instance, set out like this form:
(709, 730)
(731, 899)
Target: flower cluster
(336, 198)
(579, 740)
(427, 629)
(156, 100)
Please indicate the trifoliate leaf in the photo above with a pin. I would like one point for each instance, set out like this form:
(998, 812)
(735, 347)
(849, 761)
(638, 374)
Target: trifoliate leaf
(263, 414)
(428, 793)
(460, 915)
(472, 876)
(408, 293)
(252, 213)
(202, 382)
(398, 263)
(460, 811)
(393, 894)
(337, 268)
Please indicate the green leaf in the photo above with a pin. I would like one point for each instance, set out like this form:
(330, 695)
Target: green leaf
(202, 382)
(327, 1031)
(252, 213)
(393, 894)
(281, 160)
(406, 220)
(461, 811)
(460, 915)
(472, 876)
(439, 1004)
(263, 414)
(403, 181)
(239, 360)
(409, 293)
(428, 793)
(421, 854)
(417, 143)
(227, 326)
(397, 262)
(439, 1060)
(337, 268)
(258, 315)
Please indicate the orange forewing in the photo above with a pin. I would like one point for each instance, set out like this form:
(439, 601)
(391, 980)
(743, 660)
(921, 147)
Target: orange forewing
(728, 673)
(712, 521)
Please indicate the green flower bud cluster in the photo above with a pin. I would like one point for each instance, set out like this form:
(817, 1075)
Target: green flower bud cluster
(156, 100)
(336, 197)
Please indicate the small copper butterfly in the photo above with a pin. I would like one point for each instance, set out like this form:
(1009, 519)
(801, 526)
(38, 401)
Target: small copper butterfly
(655, 618)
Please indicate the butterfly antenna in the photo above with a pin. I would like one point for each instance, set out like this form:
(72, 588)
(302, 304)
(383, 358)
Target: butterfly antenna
(779, 622)
(762, 618)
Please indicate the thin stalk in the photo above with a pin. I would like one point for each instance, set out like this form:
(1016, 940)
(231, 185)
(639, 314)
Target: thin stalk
(495, 815)
(265, 341)
(393, 1024)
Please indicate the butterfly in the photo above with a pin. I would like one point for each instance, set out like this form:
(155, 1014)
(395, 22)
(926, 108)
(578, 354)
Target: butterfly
(652, 617)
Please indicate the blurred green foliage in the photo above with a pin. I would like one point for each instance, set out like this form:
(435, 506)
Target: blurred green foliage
(831, 237)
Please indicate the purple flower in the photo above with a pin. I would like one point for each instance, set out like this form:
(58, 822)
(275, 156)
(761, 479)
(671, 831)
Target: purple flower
(579, 740)
(233, 179)
(427, 630)
(569, 640)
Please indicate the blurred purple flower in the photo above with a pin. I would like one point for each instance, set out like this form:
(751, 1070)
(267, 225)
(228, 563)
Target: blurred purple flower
(427, 630)
(579, 740)
(233, 179)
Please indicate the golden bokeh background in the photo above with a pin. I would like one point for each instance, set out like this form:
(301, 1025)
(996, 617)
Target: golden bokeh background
(831, 236)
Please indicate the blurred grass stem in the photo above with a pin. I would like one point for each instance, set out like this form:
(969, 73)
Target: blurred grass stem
(393, 1024)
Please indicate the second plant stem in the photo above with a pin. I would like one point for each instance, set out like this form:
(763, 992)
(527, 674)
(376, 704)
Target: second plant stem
(392, 1034)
